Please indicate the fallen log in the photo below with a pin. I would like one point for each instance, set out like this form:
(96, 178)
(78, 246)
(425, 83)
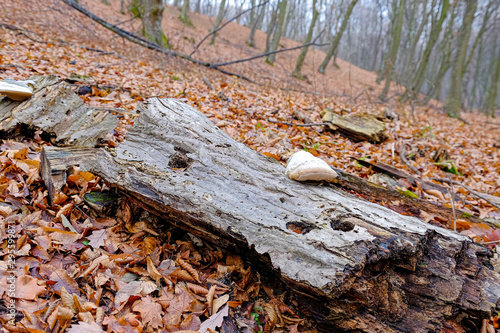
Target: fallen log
(58, 111)
(352, 264)
(356, 126)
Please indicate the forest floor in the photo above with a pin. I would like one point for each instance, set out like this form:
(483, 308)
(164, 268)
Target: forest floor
(76, 280)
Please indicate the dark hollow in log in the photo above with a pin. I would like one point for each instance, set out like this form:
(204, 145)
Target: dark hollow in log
(355, 265)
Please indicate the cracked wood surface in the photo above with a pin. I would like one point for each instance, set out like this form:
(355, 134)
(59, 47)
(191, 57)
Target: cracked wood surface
(356, 265)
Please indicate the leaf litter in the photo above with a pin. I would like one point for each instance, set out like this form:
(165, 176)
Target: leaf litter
(78, 271)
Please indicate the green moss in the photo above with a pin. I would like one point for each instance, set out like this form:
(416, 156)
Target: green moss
(135, 8)
(466, 215)
(408, 193)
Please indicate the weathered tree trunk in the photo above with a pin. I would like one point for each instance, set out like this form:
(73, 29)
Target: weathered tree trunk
(151, 14)
(218, 21)
(454, 97)
(184, 16)
(353, 264)
(492, 93)
(255, 26)
(393, 53)
(419, 76)
(337, 38)
(282, 7)
(297, 72)
(56, 110)
(271, 28)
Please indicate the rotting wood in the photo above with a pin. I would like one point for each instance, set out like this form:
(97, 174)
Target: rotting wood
(374, 192)
(356, 126)
(56, 110)
(355, 266)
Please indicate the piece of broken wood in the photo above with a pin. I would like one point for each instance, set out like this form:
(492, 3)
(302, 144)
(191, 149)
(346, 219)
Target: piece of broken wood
(355, 265)
(356, 126)
(56, 110)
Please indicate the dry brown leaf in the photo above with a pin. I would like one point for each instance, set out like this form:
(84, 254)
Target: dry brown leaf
(219, 302)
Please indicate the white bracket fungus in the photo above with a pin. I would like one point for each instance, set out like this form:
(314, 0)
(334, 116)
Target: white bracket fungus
(304, 166)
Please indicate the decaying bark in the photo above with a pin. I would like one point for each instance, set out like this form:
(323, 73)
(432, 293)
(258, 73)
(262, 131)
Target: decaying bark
(357, 127)
(354, 265)
(56, 110)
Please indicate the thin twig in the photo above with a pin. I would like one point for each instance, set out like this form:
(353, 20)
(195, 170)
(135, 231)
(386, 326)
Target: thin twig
(295, 124)
(451, 193)
(402, 155)
(222, 26)
(477, 194)
(144, 42)
(313, 43)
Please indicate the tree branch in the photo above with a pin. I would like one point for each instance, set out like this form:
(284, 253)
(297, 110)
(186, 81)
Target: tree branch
(474, 193)
(313, 43)
(222, 26)
(144, 42)
(150, 45)
(299, 125)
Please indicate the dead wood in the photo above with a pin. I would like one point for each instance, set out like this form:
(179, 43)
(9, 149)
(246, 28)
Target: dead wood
(357, 127)
(354, 265)
(56, 110)
(145, 43)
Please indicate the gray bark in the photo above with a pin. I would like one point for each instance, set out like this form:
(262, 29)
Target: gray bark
(59, 112)
(282, 7)
(454, 98)
(353, 264)
(220, 16)
(297, 72)
(337, 38)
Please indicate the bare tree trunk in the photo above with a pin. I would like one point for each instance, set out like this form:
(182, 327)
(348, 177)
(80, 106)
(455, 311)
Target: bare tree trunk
(454, 97)
(198, 7)
(492, 93)
(408, 67)
(388, 46)
(391, 60)
(282, 7)
(377, 43)
(218, 21)
(151, 13)
(302, 56)
(255, 25)
(184, 17)
(338, 36)
(419, 76)
(270, 29)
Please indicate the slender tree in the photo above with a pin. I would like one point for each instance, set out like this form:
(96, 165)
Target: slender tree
(282, 8)
(391, 59)
(184, 16)
(492, 93)
(270, 28)
(338, 36)
(419, 74)
(454, 97)
(297, 72)
(218, 21)
(257, 22)
(151, 13)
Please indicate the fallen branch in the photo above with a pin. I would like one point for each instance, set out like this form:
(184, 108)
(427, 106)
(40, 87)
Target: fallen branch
(476, 194)
(295, 124)
(402, 155)
(313, 43)
(136, 39)
(222, 26)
